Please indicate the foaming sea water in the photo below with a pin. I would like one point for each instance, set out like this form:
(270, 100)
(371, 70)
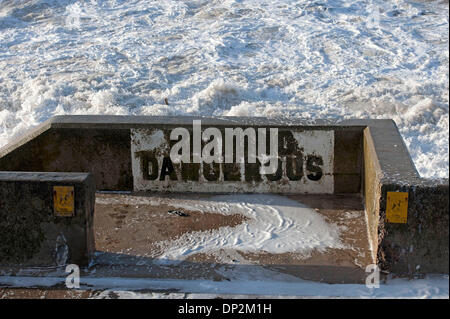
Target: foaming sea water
(309, 59)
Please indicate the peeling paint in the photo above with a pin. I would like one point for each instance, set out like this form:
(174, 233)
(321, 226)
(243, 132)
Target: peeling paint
(305, 160)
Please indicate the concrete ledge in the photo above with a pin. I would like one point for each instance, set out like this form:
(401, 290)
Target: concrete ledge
(31, 234)
(422, 244)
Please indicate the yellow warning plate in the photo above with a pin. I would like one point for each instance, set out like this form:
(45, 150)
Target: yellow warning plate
(63, 201)
(397, 207)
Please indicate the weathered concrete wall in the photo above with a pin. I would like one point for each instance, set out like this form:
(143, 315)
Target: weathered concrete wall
(102, 145)
(369, 157)
(348, 160)
(31, 234)
(421, 245)
(305, 162)
(103, 152)
(372, 189)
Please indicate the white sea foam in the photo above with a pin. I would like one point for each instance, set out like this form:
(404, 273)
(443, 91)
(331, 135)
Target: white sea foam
(275, 225)
(309, 59)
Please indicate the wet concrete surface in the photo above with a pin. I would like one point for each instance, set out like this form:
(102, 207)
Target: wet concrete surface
(128, 227)
(126, 231)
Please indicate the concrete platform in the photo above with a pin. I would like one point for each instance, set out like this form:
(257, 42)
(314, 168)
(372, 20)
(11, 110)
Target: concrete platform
(134, 232)
(129, 230)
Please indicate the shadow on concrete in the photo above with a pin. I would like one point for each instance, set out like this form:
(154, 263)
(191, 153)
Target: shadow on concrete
(122, 265)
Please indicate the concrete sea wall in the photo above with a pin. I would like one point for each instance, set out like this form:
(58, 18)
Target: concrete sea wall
(367, 157)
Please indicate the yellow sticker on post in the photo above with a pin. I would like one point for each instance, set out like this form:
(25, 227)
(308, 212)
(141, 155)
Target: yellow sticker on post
(63, 201)
(397, 207)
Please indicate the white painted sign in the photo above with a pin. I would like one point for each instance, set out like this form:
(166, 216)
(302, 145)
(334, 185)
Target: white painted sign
(233, 160)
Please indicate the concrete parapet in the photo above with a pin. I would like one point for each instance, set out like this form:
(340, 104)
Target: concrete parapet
(46, 219)
(421, 243)
(102, 145)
